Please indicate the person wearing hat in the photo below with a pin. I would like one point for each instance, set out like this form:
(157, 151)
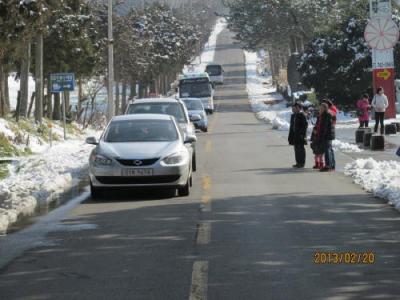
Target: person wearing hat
(298, 135)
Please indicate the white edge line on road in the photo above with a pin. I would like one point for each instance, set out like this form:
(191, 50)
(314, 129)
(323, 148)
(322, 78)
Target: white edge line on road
(199, 287)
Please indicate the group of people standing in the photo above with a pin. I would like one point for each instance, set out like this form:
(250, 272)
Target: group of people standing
(323, 132)
(322, 136)
(379, 103)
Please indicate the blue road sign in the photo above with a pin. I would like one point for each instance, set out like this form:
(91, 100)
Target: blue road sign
(62, 82)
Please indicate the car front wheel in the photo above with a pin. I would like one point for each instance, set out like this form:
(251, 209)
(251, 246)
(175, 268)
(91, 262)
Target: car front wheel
(194, 164)
(185, 190)
(95, 192)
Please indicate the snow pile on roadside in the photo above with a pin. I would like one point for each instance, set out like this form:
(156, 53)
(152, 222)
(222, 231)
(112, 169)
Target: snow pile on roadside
(199, 63)
(38, 178)
(261, 91)
(380, 178)
(345, 147)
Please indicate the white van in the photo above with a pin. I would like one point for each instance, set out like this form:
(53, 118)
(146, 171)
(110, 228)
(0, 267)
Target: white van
(216, 73)
(197, 85)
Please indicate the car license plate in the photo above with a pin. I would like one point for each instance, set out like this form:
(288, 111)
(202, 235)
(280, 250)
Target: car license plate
(137, 172)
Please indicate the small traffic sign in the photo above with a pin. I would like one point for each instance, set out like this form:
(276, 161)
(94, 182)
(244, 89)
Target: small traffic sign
(385, 74)
(62, 82)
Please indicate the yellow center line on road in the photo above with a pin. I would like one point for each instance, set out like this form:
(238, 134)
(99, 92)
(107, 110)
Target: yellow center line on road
(199, 286)
(206, 203)
(206, 183)
(204, 233)
(208, 146)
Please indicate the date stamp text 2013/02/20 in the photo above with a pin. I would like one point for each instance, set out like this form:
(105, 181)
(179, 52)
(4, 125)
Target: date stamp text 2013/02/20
(349, 258)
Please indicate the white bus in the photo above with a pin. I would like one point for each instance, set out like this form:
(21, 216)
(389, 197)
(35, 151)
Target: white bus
(197, 85)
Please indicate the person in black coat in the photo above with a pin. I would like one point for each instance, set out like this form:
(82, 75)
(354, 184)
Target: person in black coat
(326, 137)
(298, 135)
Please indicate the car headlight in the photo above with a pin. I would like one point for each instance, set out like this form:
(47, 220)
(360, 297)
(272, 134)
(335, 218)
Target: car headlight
(175, 159)
(101, 160)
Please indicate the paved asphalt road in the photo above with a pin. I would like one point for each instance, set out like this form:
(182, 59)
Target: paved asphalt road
(249, 230)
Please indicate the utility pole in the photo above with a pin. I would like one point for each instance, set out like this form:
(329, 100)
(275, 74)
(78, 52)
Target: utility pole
(110, 81)
(39, 70)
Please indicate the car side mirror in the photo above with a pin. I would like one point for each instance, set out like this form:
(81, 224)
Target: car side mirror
(190, 139)
(92, 141)
(195, 118)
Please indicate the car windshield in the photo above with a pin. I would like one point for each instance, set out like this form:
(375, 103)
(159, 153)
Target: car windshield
(214, 70)
(174, 109)
(193, 104)
(141, 131)
(196, 90)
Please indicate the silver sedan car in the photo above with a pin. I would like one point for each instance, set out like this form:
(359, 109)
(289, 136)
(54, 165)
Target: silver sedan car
(167, 106)
(141, 151)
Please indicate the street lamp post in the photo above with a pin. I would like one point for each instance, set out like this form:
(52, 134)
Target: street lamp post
(110, 81)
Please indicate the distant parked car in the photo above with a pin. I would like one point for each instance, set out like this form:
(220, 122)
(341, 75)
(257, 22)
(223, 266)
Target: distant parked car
(167, 106)
(141, 151)
(197, 113)
(216, 73)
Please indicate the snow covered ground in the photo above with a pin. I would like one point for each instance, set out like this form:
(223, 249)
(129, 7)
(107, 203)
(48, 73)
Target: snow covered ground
(199, 63)
(37, 178)
(380, 178)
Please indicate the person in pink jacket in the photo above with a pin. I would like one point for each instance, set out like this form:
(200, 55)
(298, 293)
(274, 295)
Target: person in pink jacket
(363, 107)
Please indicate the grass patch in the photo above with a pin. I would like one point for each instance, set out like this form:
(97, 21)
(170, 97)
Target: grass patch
(3, 171)
(6, 148)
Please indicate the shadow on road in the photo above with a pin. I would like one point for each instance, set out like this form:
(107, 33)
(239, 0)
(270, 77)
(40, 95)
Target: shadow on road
(265, 243)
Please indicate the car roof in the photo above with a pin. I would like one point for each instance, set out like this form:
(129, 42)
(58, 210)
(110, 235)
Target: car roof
(214, 65)
(155, 100)
(194, 75)
(143, 117)
(190, 98)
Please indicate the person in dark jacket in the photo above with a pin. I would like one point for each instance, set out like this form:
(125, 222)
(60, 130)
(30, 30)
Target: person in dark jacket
(298, 135)
(316, 145)
(327, 135)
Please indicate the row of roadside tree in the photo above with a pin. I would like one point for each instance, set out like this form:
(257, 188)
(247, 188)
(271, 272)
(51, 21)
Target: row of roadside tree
(326, 38)
(151, 47)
